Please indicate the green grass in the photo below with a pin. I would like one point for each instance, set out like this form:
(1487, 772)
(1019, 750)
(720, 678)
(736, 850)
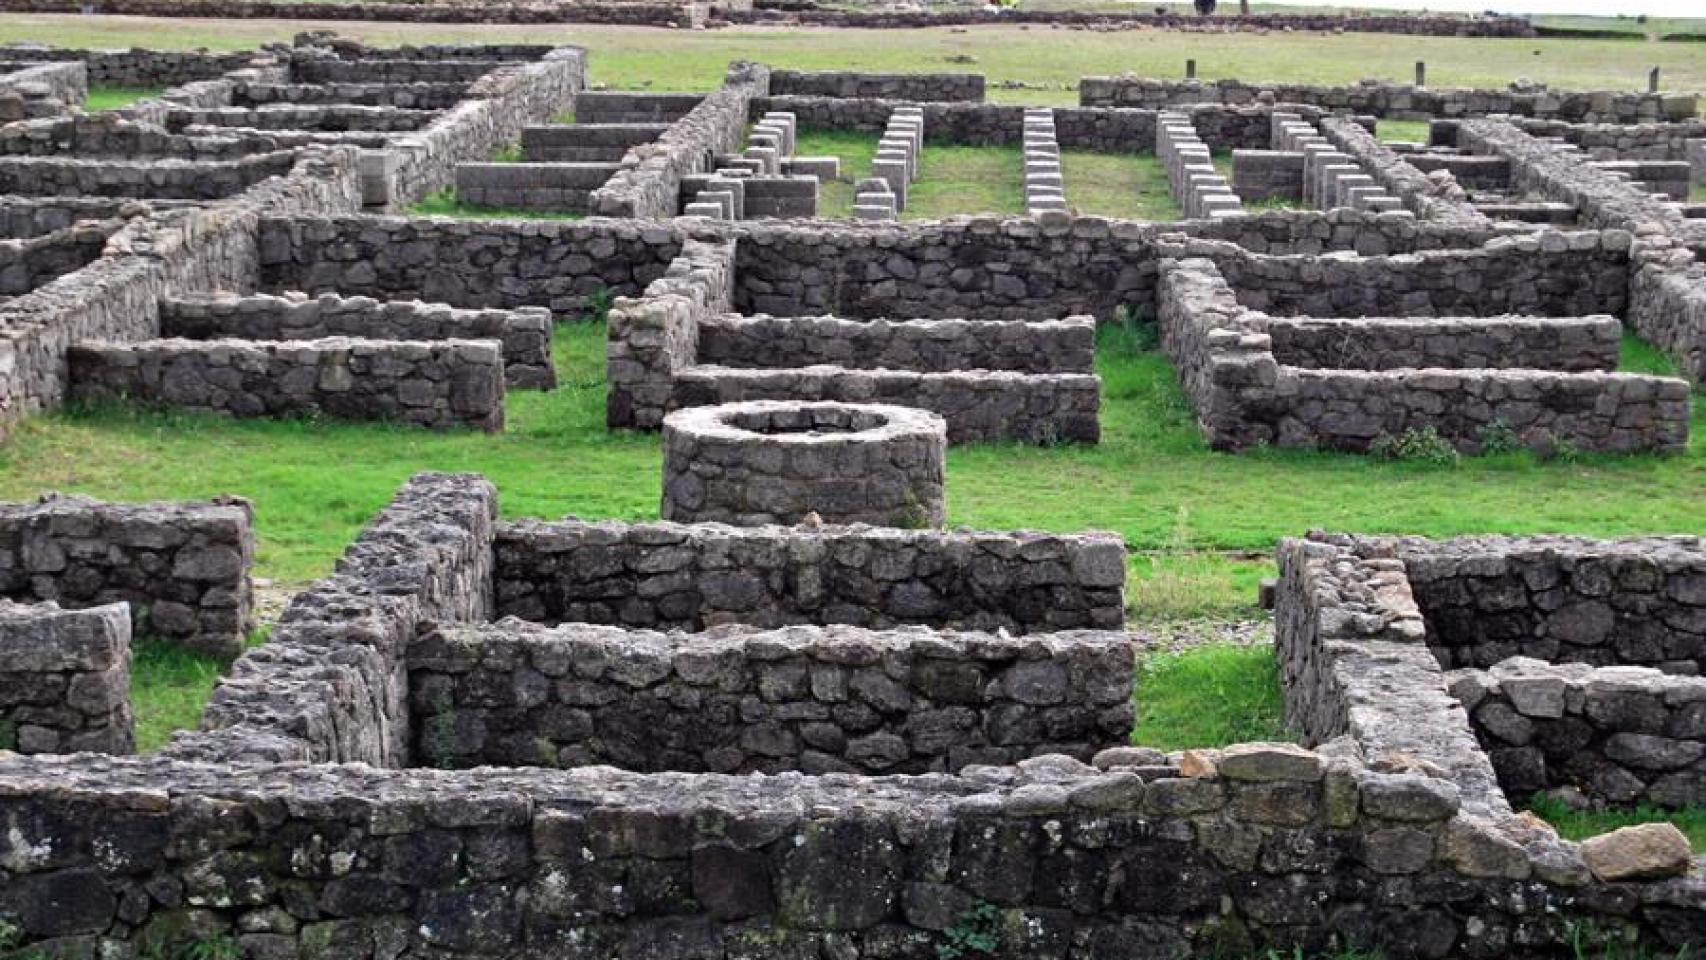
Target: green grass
(1407, 131)
(1132, 186)
(169, 687)
(955, 180)
(1697, 193)
(1639, 356)
(445, 204)
(102, 99)
(856, 150)
(1052, 60)
(1581, 824)
(1209, 697)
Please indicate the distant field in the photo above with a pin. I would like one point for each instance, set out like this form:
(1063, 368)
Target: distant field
(1045, 62)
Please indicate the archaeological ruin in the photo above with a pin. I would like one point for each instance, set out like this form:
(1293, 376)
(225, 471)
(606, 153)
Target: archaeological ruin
(801, 713)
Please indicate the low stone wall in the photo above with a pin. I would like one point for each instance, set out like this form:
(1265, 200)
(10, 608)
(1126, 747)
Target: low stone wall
(137, 67)
(65, 679)
(1667, 303)
(1370, 343)
(544, 187)
(583, 142)
(1635, 602)
(28, 263)
(524, 332)
(812, 14)
(655, 336)
(925, 346)
(411, 96)
(40, 90)
(88, 136)
(1244, 396)
(1545, 274)
(439, 385)
(24, 217)
(294, 116)
(624, 12)
(1429, 198)
(921, 87)
(166, 178)
(1620, 141)
(1618, 736)
(815, 699)
(182, 567)
(391, 70)
(1399, 101)
(610, 106)
(650, 182)
(1259, 175)
(674, 576)
(1600, 198)
(783, 462)
(331, 683)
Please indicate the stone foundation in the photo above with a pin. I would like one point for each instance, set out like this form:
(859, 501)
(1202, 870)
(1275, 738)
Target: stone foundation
(776, 462)
(65, 679)
(816, 699)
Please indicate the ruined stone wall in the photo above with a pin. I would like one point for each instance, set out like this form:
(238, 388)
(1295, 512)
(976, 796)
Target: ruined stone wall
(24, 217)
(1617, 736)
(137, 67)
(926, 346)
(465, 263)
(968, 14)
(28, 263)
(1667, 303)
(166, 178)
(438, 385)
(525, 332)
(40, 90)
(295, 116)
(1429, 199)
(1371, 343)
(1549, 274)
(1618, 141)
(65, 679)
(331, 683)
(815, 699)
(654, 337)
(1244, 396)
(326, 69)
(664, 575)
(1634, 602)
(1391, 100)
(413, 96)
(182, 567)
(1600, 198)
(544, 187)
(623, 12)
(650, 184)
(931, 87)
(89, 136)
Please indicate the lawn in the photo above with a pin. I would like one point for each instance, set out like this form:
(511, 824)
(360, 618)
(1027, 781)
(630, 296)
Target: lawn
(445, 204)
(1126, 185)
(955, 180)
(102, 99)
(1044, 63)
(855, 150)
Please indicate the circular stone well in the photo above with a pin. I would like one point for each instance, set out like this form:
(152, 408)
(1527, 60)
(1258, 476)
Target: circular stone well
(776, 461)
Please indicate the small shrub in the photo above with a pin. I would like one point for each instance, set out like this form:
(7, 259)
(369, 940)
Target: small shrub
(598, 304)
(1135, 330)
(1419, 444)
(976, 933)
(1499, 437)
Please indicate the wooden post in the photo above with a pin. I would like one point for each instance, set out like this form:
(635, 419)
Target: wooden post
(1190, 69)
(1653, 81)
(1421, 73)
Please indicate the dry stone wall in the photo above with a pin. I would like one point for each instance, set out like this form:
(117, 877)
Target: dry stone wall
(926, 346)
(815, 699)
(65, 679)
(1618, 736)
(1617, 141)
(524, 332)
(139, 68)
(183, 568)
(40, 90)
(922, 87)
(1369, 343)
(167, 178)
(669, 576)
(438, 384)
(421, 95)
(1398, 101)
(28, 263)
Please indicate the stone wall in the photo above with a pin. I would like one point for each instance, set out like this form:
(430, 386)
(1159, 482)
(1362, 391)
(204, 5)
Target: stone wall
(815, 699)
(1617, 736)
(1430, 198)
(1634, 602)
(1261, 174)
(23, 217)
(1370, 343)
(147, 69)
(182, 567)
(654, 337)
(1544, 274)
(1667, 303)
(1244, 396)
(438, 385)
(664, 575)
(925, 346)
(1600, 198)
(813, 14)
(414, 96)
(624, 12)
(329, 117)
(1620, 141)
(88, 136)
(921, 87)
(331, 683)
(611, 106)
(65, 679)
(650, 182)
(28, 263)
(542, 187)
(1399, 101)
(40, 90)
(525, 332)
(167, 178)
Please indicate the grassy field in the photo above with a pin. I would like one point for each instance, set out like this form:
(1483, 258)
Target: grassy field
(1047, 61)
(1132, 186)
(102, 99)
